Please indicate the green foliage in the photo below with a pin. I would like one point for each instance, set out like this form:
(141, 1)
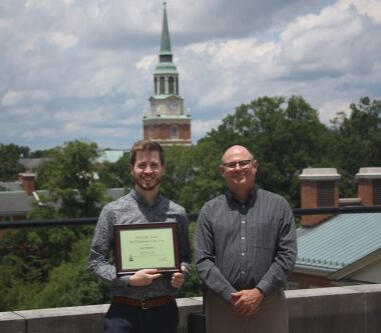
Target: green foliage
(9, 156)
(43, 258)
(116, 174)
(40, 153)
(69, 178)
(285, 137)
(28, 257)
(70, 283)
(178, 181)
(46, 267)
(192, 285)
(357, 140)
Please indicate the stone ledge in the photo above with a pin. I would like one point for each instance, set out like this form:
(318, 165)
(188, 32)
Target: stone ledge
(350, 309)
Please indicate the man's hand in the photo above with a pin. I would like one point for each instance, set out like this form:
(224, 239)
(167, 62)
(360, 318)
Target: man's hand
(178, 278)
(246, 302)
(144, 277)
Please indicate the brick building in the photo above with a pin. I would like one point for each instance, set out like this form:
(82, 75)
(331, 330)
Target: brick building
(338, 250)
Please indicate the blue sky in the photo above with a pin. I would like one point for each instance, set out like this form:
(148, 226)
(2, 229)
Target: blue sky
(83, 69)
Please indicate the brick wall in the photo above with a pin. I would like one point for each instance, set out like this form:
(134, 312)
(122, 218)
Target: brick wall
(365, 191)
(163, 131)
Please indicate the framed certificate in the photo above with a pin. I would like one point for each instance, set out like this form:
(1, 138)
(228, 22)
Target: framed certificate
(149, 245)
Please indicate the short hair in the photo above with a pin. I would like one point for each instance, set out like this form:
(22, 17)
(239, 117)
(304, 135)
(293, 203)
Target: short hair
(146, 145)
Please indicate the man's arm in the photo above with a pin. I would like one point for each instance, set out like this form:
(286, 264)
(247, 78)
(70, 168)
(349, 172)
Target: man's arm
(205, 259)
(100, 249)
(285, 252)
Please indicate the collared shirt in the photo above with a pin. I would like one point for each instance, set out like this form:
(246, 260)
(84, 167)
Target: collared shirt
(133, 209)
(243, 246)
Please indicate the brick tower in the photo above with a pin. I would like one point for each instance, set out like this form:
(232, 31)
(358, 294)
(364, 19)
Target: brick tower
(166, 121)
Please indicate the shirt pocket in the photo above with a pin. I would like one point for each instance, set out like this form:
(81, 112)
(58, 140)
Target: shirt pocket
(264, 235)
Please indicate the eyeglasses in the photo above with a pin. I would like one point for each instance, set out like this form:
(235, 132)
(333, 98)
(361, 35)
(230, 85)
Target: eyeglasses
(232, 165)
(144, 165)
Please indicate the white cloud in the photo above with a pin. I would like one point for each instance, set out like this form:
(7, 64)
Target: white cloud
(84, 68)
(12, 98)
(63, 41)
(371, 8)
(200, 127)
(147, 63)
(330, 108)
(104, 80)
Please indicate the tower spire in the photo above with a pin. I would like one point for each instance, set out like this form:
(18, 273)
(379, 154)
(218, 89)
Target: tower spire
(165, 45)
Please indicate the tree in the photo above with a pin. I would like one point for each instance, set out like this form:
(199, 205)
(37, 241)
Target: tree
(35, 256)
(285, 137)
(70, 283)
(9, 157)
(40, 153)
(116, 174)
(27, 256)
(180, 170)
(70, 180)
(357, 140)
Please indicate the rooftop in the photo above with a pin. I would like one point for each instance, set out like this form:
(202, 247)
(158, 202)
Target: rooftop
(339, 242)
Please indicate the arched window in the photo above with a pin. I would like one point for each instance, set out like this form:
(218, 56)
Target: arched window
(177, 86)
(162, 85)
(174, 132)
(171, 85)
(155, 85)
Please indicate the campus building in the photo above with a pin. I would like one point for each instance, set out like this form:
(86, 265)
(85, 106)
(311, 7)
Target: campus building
(166, 122)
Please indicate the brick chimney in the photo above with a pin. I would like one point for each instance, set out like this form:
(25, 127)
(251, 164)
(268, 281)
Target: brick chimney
(369, 186)
(28, 182)
(319, 187)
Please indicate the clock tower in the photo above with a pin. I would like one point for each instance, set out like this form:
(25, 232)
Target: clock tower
(166, 121)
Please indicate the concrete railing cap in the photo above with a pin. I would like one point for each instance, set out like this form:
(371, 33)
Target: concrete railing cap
(319, 174)
(369, 173)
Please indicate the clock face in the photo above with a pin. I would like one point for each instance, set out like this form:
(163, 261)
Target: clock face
(173, 106)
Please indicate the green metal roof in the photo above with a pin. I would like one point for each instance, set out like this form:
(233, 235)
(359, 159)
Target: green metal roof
(167, 116)
(165, 45)
(166, 68)
(338, 242)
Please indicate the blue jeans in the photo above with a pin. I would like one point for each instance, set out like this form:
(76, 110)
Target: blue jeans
(123, 318)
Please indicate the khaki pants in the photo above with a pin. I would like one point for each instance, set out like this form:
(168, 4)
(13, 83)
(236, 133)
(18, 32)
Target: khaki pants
(272, 316)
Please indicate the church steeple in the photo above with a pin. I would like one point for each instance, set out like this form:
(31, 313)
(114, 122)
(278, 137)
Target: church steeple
(166, 77)
(166, 122)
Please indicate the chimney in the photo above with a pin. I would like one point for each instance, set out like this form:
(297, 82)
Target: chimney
(28, 182)
(369, 186)
(319, 187)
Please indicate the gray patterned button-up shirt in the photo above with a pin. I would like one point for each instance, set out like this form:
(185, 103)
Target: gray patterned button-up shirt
(133, 209)
(243, 246)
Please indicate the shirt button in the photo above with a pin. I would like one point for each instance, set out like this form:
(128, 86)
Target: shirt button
(243, 272)
(243, 222)
(243, 254)
(242, 237)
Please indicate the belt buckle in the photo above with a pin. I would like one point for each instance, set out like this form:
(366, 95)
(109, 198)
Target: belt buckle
(144, 304)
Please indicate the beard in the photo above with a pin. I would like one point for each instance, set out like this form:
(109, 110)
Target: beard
(147, 183)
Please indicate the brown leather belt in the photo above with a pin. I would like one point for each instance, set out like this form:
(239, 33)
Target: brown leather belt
(146, 303)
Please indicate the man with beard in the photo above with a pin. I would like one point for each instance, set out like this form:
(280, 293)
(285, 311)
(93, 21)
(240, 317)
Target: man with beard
(245, 247)
(144, 301)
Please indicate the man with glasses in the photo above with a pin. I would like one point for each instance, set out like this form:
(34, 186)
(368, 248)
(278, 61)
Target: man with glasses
(245, 247)
(144, 301)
